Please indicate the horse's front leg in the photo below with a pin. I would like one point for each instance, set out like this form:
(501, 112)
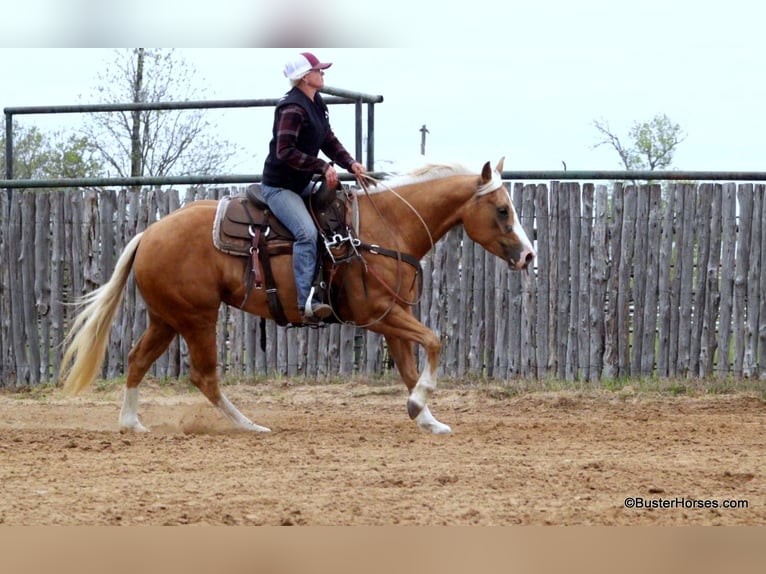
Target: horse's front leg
(420, 388)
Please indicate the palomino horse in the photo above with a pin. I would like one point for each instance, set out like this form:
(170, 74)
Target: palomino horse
(183, 279)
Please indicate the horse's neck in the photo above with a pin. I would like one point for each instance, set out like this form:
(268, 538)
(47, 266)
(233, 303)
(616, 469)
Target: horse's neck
(412, 216)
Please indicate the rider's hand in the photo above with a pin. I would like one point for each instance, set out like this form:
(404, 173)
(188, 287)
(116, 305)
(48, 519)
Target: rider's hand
(331, 177)
(357, 169)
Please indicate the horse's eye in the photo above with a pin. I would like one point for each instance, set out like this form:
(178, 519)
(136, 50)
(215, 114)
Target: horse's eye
(502, 212)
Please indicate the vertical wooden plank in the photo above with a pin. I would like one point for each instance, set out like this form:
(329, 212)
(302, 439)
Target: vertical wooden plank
(91, 250)
(111, 223)
(500, 306)
(260, 346)
(490, 314)
(704, 205)
(573, 287)
(686, 261)
(710, 316)
(331, 360)
(563, 309)
(640, 249)
(236, 358)
(308, 363)
(281, 366)
(745, 197)
(106, 207)
(649, 307)
(460, 320)
(475, 317)
(270, 355)
(542, 263)
(57, 199)
(295, 342)
(514, 305)
(624, 286)
(728, 243)
(451, 313)
(529, 290)
(31, 334)
(553, 281)
(190, 195)
(611, 319)
(750, 359)
(665, 284)
(18, 371)
(508, 307)
(346, 349)
(374, 353)
(42, 250)
(586, 286)
(6, 344)
(251, 341)
(675, 286)
(597, 301)
(74, 228)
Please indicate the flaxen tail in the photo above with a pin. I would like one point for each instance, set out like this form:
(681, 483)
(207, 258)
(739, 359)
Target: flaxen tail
(89, 333)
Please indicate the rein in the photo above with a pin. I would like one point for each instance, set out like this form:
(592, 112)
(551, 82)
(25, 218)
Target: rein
(399, 256)
(357, 245)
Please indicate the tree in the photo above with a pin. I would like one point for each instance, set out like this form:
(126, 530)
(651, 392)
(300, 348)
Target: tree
(38, 155)
(154, 142)
(652, 142)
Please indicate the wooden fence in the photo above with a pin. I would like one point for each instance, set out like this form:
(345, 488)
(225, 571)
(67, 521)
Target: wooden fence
(629, 281)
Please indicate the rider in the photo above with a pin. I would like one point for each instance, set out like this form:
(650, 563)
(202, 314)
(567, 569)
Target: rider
(301, 129)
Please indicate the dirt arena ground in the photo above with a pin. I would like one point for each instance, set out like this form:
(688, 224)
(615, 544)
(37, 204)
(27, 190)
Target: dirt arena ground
(346, 454)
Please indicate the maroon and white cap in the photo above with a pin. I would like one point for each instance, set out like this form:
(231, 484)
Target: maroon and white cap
(302, 64)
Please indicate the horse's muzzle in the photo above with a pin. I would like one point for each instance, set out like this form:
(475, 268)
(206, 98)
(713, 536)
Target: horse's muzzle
(524, 260)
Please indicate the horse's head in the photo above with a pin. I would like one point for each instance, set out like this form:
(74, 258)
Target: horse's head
(490, 219)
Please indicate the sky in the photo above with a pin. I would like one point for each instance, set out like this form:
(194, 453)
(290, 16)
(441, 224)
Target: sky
(525, 80)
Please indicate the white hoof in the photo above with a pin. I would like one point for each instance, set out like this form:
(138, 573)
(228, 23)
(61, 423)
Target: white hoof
(239, 420)
(427, 422)
(133, 426)
(252, 427)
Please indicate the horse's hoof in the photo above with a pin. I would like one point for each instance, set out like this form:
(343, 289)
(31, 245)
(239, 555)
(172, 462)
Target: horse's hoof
(427, 422)
(413, 409)
(437, 428)
(137, 429)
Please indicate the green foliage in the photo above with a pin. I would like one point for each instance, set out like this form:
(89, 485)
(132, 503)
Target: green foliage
(652, 142)
(39, 155)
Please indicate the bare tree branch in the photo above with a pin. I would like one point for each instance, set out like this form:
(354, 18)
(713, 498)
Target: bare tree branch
(159, 142)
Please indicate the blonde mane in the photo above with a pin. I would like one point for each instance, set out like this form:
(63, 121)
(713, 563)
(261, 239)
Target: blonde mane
(421, 174)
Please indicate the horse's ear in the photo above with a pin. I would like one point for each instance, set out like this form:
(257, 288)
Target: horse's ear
(499, 167)
(486, 173)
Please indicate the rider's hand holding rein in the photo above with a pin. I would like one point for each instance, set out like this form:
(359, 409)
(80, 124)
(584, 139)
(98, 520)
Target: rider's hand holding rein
(331, 175)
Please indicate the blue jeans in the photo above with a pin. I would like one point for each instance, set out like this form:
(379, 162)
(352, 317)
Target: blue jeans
(289, 208)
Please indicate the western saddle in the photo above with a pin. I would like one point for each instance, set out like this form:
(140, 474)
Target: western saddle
(245, 227)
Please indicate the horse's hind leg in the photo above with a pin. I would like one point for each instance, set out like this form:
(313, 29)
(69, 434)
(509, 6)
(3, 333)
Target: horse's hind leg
(149, 347)
(204, 375)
